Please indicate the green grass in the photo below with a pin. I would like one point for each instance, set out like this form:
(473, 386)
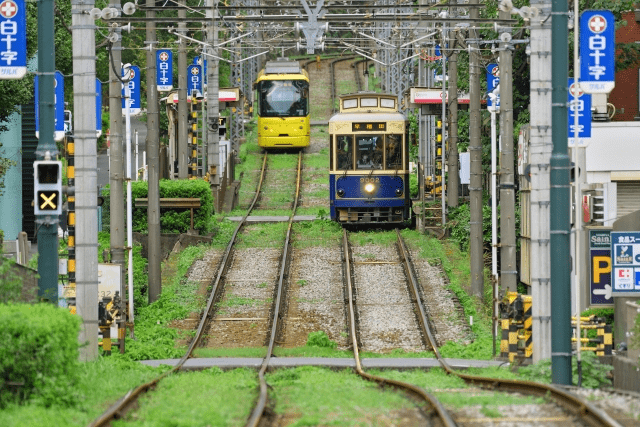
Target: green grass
(268, 235)
(316, 211)
(100, 384)
(235, 301)
(324, 397)
(316, 233)
(223, 231)
(318, 161)
(222, 398)
(382, 238)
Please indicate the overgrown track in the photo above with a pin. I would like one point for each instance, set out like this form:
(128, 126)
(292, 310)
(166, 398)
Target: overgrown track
(259, 412)
(436, 411)
(123, 404)
(334, 89)
(573, 404)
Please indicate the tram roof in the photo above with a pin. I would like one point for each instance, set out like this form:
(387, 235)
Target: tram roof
(282, 66)
(362, 116)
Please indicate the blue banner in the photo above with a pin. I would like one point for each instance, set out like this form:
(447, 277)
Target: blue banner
(13, 39)
(581, 108)
(58, 100)
(600, 263)
(493, 80)
(625, 254)
(134, 86)
(597, 51)
(164, 70)
(98, 108)
(194, 79)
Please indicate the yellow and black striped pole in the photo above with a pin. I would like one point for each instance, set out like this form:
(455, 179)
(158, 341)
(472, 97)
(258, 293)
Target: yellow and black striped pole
(70, 293)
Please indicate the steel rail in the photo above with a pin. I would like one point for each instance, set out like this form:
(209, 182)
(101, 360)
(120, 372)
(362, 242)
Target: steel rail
(437, 408)
(355, 65)
(572, 403)
(117, 409)
(334, 83)
(259, 409)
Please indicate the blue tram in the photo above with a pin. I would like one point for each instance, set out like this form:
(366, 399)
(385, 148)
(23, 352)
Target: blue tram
(369, 161)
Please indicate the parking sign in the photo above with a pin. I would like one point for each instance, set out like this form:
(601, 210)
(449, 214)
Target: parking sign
(597, 49)
(13, 39)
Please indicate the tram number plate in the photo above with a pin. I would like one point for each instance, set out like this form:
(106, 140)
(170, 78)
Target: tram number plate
(368, 126)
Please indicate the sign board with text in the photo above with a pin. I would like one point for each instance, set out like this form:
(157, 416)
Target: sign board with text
(625, 265)
(600, 268)
(597, 51)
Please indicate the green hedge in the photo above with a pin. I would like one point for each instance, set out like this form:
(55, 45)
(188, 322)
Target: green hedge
(38, 355)
(171, 220)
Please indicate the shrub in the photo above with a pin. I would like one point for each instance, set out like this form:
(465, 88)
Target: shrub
(320, 339)
(594, 373)
(39, 354)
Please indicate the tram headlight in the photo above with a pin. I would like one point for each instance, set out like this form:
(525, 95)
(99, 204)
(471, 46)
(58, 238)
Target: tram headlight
(340, 192)
(398, 192)
(369, 187)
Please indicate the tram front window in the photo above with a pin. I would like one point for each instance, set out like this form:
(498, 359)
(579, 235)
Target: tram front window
(284, 98)
(369, 152)
(344, 144)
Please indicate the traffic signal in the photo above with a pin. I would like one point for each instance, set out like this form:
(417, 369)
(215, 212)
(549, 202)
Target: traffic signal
(47, 187)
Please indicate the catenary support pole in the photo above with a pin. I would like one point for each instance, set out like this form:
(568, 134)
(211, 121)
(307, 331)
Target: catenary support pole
(183, 131)
(475, 149)
(47, 225)
(508, 267)
(213, 139)
(540, 154)
(116, 167)
(86, 172)
(153, 148)
(452, 138)
(560, 197)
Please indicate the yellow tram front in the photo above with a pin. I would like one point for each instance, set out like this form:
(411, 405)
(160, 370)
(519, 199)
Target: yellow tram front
(283, 105)
(369, 165)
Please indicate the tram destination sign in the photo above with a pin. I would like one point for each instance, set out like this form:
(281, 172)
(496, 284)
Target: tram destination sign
(365, 126)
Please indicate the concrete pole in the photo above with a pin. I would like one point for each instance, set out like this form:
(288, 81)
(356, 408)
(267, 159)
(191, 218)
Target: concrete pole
(508, 267)
(86, 172)
(116, 165)
(213, 139)
(540, 156)
(183, 131)
(475, 149)
(153, 149)
(47, 225)
(560, 198)
(452, 152)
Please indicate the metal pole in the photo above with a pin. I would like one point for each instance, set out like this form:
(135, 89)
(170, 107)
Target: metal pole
(475, 149)
(47, 225)
(508, 267)
(86, 172)
(127, 92)
(444, 127)
(494, 224)
(116, 167)
(213, 148)
(576, 180)
(183, 143)
(153, 147)
(137, 162)
(452, 152)
(560, 197)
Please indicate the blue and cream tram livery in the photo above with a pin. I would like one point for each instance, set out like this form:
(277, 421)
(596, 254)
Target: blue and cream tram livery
(369, 164)
(283, 105)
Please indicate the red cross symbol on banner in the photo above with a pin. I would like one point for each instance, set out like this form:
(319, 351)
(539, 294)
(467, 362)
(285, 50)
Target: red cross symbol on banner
(164, 56)
(572, 89)
(195, 71)
(8, 9)
(495, 72)
(132, 73)
(597, 24)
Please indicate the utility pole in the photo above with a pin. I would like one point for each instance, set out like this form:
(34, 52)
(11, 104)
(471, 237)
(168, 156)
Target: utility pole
(213, 138)
(47, 225)
(539, 158)
(452, 152)
(560, 197)
(508, 267)
(116, 165)
(183, 147)
(86, 172)
(475, 149)
(153, 150)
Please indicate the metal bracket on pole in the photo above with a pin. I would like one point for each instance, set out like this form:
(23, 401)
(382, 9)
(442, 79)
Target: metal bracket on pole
(312, 30)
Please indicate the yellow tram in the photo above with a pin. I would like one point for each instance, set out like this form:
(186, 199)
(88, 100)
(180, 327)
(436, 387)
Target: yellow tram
(283, 105)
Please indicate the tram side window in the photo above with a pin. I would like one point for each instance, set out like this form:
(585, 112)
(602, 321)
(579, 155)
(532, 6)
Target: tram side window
(344, 144)
(394, 152)
(369, 152)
